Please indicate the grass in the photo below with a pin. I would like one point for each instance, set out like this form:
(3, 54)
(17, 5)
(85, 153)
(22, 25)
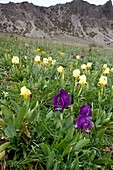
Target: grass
(35, 137)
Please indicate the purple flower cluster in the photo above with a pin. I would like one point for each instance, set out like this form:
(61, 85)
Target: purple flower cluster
(84, 120)
(61, 100)
(74, 57)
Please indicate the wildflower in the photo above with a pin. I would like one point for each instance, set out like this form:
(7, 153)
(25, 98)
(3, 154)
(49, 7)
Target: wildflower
(61, 100)
(45, 61)
(82, 80)
(37, 59)
(74, 57)
(106, 71)
(53, 62)
(104, 66)
(25, 92)
(89, 65)
(25, 57)
(78, 57)
(84, 119)
(102, 81)
(35, 51)
(83, 66)
(111, 70)
(50, 59)
(60, 69)
(62, 53)
(43, 52)
(82, 56)
(85, 110)
(5, 94)
(15, 60)
(27, 45)
(38, 49)
(76, 73)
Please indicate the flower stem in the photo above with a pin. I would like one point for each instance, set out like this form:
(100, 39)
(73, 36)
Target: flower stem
(61, 116)
(79, 91)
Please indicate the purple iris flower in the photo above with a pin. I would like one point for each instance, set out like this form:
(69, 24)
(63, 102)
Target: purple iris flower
(86, 110)
(74, 57)
(84, 121)
(82, 56)
(61, 100)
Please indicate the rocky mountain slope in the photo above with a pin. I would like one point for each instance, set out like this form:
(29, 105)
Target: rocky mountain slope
(76, 18)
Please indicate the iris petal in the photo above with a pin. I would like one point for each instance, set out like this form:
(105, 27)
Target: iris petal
(81, 122)
(84, 121)
(61, 100)
(86, 110)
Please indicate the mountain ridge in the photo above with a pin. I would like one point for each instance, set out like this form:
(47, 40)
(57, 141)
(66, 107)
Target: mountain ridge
(75, 18)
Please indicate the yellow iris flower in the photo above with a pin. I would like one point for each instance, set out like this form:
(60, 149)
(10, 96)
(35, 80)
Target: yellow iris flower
(82, 80)
(37, 59)
(83, 66)
(53, 62)
(106, 71)
(25, 92)
(50, 59)
(15, 60)
(102, 81)
(45, 61)
(104, 66)
(60, 69)
(76, 73)
(89, 65)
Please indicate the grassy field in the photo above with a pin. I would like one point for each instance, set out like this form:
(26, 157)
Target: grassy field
(56, 105)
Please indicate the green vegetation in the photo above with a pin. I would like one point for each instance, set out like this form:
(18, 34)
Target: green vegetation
(34, 137)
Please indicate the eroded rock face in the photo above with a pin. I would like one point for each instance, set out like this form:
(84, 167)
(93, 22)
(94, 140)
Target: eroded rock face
(77, 18)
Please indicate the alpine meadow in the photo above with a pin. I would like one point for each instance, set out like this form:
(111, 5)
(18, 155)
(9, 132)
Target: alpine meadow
(56, 105)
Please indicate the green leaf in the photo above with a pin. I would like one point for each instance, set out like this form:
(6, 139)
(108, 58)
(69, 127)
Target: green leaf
(105, 120)
(49, 115)
(45, 149)
(32, 116)
(80, 144)
(55, 166)
(70, 133)
(3, 123)
(100, 134)
(97, 123)
(8, 114)
(2, 154)
(20, 117)
(33, 113)
(75, 139)
(4, 146)
(67, 150)
(71, 144)
(10, 131)
(58, 122)
(92, 155)
(15, 106)
(51, 160)
(63, 144)
(75, 165)
(103, 161)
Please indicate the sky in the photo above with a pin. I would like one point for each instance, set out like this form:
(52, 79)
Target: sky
(54, 2)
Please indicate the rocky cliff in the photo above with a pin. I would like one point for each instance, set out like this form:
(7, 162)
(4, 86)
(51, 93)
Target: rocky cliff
(76, 18)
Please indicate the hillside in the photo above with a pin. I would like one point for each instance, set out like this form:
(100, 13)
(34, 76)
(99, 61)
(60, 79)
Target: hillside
(77, 18)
